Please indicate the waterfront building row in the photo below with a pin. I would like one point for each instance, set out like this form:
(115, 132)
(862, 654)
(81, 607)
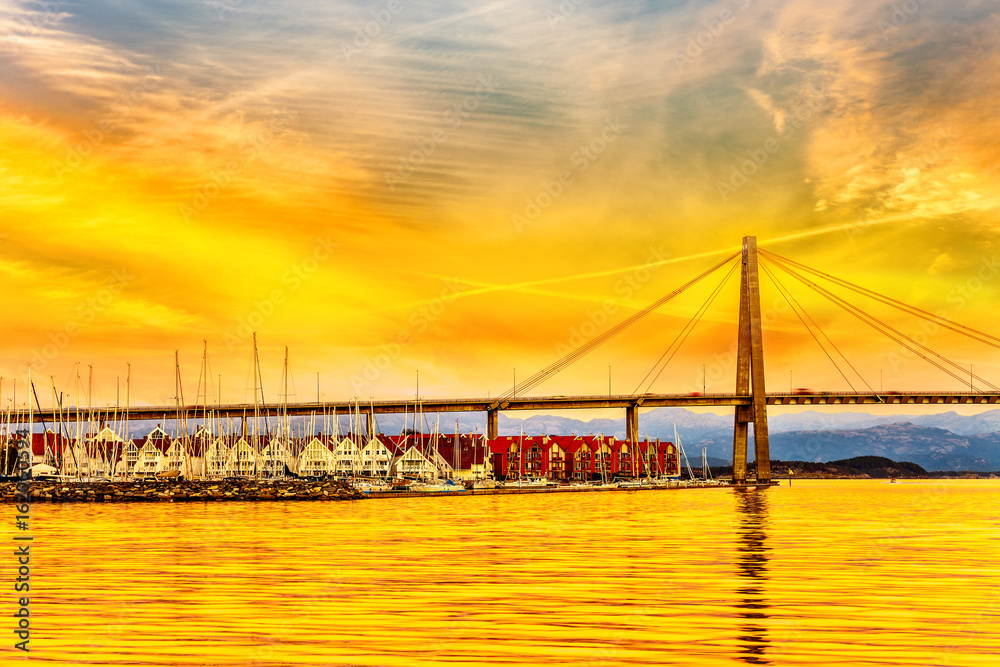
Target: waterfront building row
(105, 454)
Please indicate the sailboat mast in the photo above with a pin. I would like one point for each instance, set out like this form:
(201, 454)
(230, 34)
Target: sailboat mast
(31, 424)
(254, 439)
(89, 444)
(206, 429)
(128, 393)
(284, 404)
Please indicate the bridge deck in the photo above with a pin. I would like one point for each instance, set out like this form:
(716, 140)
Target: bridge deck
(433, 405)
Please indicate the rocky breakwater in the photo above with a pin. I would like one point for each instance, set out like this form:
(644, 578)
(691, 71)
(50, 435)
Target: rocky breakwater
(173, 490)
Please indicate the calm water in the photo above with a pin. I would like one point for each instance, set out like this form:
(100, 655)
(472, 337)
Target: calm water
(822, 573)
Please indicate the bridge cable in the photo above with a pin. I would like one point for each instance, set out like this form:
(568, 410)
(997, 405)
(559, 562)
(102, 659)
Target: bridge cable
(884, 328)
(682, 336)
(593, 344)
(967, 331)
(796, 307)
(574, 355)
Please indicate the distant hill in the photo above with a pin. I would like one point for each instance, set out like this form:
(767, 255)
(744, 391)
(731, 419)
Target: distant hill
(931, 448)
(858, 467)
(878, 466)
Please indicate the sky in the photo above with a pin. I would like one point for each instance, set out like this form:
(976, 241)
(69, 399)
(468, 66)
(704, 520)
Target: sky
(470, 190)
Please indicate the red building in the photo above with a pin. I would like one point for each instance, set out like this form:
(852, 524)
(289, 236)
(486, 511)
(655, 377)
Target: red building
(580, 458)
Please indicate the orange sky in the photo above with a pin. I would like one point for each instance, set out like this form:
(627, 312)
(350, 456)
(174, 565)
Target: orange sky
(476, 182)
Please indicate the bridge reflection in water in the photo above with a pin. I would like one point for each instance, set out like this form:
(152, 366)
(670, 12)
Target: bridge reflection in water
(751, 506)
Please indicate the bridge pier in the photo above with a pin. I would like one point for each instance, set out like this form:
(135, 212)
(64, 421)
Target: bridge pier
(632, 423)
(492, 424)
(750, 373)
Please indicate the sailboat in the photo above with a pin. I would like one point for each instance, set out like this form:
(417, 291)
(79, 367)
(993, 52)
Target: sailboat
(436, 483)
(680, 446)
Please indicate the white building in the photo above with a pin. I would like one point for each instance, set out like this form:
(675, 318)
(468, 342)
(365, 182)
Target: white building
(376, 459)
(180, 458)
(216, 457)
(275, 457)
(414, 464)
(150, 460)
(347, 457)
(81, 461)
(242, 460)
(130, 457)
(316, 460)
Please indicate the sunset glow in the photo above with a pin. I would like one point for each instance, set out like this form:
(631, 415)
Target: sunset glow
(460, 190)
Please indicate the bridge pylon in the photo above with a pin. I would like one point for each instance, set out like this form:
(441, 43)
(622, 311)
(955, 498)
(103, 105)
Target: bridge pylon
(750, 373)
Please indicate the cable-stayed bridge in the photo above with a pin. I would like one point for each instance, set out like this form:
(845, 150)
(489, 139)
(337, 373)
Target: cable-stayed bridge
(750, 399)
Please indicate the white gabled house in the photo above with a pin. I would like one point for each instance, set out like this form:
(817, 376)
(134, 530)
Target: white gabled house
(105, 439)
(81, 462)
(347, 457)
(414, 464)
(150, 460)
(216, 457)
(179, 457)
(316, 460)
(129, 459)
(151, 451)
(242, 460)
(104, 447)
(376, 458)
(275, 457)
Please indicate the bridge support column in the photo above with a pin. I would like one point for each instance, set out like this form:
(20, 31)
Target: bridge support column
(492, 424)
(632, 423)
(750, 373)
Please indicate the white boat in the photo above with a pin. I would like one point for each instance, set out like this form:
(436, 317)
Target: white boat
(527, 482)
(634, 484)
(436, 487)
(368, 487)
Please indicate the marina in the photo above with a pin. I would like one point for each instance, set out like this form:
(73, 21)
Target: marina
(103, 447)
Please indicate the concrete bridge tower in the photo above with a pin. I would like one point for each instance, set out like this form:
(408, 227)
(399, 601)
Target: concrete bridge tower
(750, 373)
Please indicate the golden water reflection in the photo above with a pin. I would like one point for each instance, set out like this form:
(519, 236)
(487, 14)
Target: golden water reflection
(824, 572)
(752, 561)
